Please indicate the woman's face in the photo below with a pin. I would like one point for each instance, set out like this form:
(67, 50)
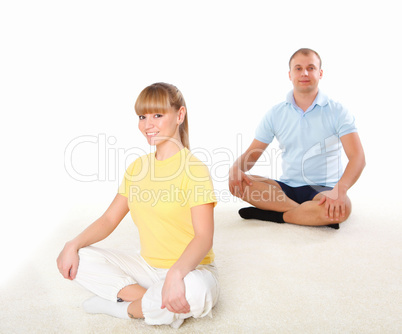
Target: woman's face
(159, 128)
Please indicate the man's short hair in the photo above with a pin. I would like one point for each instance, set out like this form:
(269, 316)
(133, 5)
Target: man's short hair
(305, 52)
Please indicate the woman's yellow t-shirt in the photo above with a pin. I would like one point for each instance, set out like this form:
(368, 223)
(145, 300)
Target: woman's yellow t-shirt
(160, 195)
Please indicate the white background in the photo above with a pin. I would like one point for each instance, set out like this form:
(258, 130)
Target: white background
(74, 68)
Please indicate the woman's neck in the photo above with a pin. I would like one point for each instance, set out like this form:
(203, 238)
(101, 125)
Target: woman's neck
(168, 149)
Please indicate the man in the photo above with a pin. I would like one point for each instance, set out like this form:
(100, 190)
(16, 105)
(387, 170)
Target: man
(311, 130)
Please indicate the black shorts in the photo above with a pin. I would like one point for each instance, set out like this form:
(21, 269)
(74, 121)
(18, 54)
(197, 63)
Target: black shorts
(302, 194)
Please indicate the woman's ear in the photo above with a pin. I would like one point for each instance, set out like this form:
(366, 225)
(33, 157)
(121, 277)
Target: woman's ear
(181, 114)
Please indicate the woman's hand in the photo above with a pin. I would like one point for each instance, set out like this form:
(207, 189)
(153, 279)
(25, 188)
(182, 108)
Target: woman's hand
(67, 262)
(174, 294)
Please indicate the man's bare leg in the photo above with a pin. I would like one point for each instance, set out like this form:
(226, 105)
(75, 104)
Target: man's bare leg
(312, 214)
(266, 194)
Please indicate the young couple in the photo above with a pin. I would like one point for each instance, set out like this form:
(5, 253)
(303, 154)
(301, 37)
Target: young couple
(174, 276)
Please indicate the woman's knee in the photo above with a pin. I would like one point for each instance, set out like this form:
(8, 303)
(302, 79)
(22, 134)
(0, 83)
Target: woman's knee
(202, 291)
(88, 251)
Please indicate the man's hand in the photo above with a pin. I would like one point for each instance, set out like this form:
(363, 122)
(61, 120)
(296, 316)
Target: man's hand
(174, 294)
(236, 178)
(334, 202)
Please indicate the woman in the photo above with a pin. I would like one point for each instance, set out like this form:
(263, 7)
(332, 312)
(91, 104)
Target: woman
(171, 199)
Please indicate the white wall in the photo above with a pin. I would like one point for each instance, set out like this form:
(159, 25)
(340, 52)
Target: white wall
(72, 71)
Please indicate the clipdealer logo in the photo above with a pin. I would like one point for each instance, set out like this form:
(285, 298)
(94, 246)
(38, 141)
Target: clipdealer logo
(109, 161)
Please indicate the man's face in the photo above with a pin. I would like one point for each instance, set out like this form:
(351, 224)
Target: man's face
(305, 72)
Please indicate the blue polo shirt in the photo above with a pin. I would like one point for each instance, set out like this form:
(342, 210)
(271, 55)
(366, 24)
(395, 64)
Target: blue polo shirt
(309, 141)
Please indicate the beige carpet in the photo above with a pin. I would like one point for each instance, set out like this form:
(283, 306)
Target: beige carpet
(274, 279)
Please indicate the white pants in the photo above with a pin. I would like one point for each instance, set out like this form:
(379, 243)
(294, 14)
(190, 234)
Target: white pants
(105, 272)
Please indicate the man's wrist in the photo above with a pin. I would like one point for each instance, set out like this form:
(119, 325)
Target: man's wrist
(341, 188)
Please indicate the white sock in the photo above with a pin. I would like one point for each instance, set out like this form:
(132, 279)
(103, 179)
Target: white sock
(177, 323)
(99, 305)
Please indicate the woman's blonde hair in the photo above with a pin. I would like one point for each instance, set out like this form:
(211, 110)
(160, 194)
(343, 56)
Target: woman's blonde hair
(159, 98)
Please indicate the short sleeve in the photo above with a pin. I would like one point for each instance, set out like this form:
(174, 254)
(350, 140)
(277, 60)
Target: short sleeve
(199, 188)
(346, 123)
(124, 187)
(264, 132)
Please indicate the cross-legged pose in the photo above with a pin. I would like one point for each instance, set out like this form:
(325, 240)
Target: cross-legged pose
(311, 130)
(171, 199)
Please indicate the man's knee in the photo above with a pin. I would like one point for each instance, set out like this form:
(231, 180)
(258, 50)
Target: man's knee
(348, 211)
(343, 216)
(236, 190)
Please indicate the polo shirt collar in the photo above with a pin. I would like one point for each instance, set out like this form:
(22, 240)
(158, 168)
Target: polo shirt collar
(321, 99)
